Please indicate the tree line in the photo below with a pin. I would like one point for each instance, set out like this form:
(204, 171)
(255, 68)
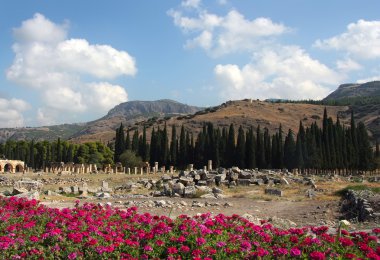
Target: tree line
(40, 154)
(329, 147)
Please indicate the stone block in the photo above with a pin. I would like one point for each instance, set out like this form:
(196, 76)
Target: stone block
(275, 192)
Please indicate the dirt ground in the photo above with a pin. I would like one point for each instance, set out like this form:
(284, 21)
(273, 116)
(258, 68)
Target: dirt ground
(295, 206)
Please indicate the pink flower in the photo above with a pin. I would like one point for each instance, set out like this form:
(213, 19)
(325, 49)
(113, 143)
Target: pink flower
(315, 255)
(184, 249)
(346, 241)
(172, 250)
(245, 246)
(220, 244)
(200, 241)
(148, 248)
(72, 255)
(33, 238)
(295, 251)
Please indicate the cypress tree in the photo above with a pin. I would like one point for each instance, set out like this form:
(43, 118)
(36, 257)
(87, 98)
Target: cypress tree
(260, 150)
(280, 150)
(377, 151)
(354, 139)
(135, 141)
(216, 157)
(364, 148)
(59, 150)
(128, 145)
(189, 154)
(164, 147)
(289, 151)
(230, 147)
(31, 156)
(299, 162)
(173, 146)
(240, 148)
(182, 147)
(274, 149)
(144, 149)
(250, 156)
(153, 147)
(267, 149)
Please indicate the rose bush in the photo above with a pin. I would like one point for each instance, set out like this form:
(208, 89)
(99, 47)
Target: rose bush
(29, 230)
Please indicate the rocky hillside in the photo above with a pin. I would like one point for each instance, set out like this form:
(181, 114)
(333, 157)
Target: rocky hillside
(368, 89)
(128, 113)
(240, 112)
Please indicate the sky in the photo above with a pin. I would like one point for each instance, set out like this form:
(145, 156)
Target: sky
(72, 61)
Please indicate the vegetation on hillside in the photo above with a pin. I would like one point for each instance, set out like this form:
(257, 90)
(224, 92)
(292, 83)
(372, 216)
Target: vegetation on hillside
(331, 147)
(40, 154)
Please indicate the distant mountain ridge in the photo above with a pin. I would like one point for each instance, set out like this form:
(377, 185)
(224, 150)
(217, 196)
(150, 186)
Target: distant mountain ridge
(150, 108)
(127, 113)
(136, 114)
(352, 90)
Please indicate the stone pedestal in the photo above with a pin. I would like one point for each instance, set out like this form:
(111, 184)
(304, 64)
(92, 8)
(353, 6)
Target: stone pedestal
(135, 170)
(156, 166)
(191, 167)
(209, 165)
(129, 171)
(171, 170)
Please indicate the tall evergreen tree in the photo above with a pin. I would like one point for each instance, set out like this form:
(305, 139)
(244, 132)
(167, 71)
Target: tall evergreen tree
(377, 151)
(128, 145)
(173, 147)
(267, 149)
(289, 151)
(135, 141)
(59, 150)
(230, 147)
(364, 148)
(182, 147)
(260, 149)
(240, 148)
(250, 156)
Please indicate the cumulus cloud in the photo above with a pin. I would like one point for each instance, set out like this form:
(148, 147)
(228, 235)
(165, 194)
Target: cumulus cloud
(361, 40)
(283, 72)
(66, 71)
(348, 65)
(374, 78)
(191, 3)
(220, 35)
(11, 112)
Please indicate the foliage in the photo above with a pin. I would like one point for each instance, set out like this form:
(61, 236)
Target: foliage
(40, 154)
(33, 231)
(129, 159)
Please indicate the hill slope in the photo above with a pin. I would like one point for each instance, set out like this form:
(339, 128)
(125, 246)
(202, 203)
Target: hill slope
(128, 113)
(368, 89)
(242, 112)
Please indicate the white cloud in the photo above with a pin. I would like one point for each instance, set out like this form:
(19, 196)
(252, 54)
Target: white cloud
(348, 65)
(11, 112)
(284, 72)
(375, 78)
(65, 71)
(191, 3)
(220, 35)
(104, 95)
(361, 40)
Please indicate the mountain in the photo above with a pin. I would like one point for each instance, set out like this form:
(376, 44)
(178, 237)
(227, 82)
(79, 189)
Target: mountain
(130, 113)
(369, 89)
(239, 112)
(270, 114)
(50, 133)
(127, 113)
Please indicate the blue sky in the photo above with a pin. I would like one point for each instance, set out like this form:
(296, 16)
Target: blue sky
(72, 61)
